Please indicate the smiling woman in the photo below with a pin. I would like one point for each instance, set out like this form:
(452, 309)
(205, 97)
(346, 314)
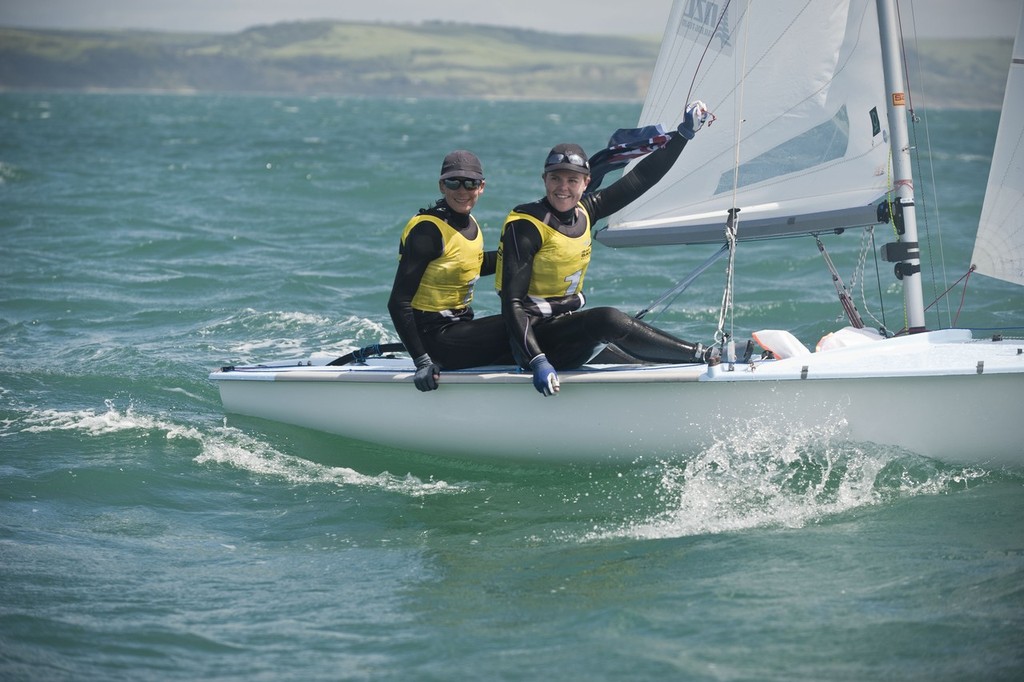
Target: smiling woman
(440, 259)
(543, 259)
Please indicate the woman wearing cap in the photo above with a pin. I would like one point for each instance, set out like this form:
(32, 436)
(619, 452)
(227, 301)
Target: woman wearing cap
(440, 258)
(543, 257)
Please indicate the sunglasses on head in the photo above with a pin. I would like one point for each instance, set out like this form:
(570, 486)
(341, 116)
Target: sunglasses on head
(574, 159)
(455, 183)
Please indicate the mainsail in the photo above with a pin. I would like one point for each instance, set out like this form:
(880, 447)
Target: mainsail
(999, 246)
(800, 140)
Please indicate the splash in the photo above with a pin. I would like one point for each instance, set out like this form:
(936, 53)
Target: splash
(768, 477)
(88, 421)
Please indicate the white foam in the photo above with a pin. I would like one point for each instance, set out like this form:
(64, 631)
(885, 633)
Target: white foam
(769, 477)
(221, 445)
(87, 421)
(229, 446)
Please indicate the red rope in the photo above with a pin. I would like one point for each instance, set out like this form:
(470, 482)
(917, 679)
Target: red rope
(963, 296)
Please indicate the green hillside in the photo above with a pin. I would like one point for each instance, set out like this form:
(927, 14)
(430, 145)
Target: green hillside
(407, 60)
(432, 59)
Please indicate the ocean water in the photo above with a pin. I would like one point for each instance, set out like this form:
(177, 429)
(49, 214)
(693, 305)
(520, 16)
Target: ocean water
(148, 239)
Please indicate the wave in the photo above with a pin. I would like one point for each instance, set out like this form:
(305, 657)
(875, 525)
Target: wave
(218, 445)
(259, 335)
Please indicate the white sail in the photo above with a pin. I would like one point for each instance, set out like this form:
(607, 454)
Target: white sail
(999, 246)
(799, 143)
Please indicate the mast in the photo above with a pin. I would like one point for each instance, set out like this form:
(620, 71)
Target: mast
(906, 253)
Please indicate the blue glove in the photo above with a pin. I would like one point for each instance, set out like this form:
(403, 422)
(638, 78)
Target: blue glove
(696, 114)
(545, 380)
(427, 373)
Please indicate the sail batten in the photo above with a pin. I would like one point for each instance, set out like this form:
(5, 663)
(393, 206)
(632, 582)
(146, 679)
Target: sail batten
(800, 123)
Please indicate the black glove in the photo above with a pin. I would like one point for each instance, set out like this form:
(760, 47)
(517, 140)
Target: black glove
(427, 373)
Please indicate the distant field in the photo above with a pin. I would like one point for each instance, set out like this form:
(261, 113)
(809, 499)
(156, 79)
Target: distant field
(414, 60)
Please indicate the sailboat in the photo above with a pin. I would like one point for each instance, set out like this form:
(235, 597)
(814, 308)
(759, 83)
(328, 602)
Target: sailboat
(813, 92)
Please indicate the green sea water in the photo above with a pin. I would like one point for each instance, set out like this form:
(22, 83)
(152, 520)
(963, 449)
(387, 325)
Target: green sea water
(149, 239)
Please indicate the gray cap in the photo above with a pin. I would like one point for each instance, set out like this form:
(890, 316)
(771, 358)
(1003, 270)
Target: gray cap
(462, 164)
(567, 156)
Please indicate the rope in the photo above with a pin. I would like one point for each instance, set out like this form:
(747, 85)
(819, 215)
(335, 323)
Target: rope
(963, 296)
(867, 244)
(965, 279)
(727, 310)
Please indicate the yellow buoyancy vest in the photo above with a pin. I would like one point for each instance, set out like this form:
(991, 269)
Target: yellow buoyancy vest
(447, 283)
(560, 264)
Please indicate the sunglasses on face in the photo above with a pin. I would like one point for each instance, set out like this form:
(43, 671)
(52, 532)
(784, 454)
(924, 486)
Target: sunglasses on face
(455, 183)
(574, 159)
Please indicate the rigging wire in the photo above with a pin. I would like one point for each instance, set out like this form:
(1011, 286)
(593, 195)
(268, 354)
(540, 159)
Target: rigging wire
(669, 298)
(963, 296)
(922, 197)
(965, 278)
(868, 246)
(707, 46)
(727, 310)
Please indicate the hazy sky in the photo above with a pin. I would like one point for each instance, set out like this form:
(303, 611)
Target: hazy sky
(933, 18)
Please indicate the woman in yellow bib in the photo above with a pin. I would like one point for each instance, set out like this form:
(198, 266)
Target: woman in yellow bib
(543, 258)
(440, 258)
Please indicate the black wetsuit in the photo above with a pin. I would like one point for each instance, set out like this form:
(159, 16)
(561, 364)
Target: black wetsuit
(569, 337)
(453, 339)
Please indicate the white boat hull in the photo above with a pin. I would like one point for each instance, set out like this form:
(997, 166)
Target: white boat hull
(965, 399)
